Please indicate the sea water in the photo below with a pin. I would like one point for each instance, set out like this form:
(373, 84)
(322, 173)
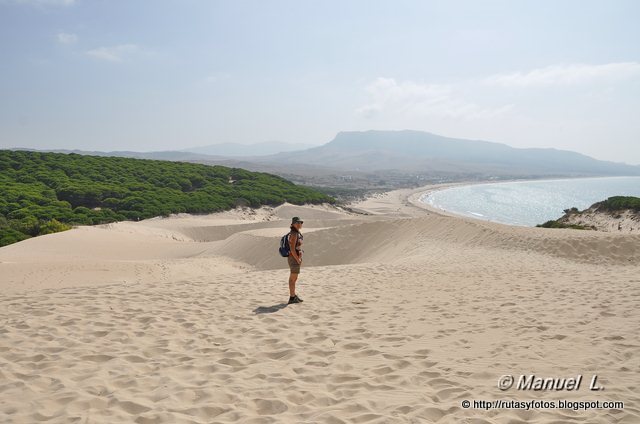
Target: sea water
(528, 203)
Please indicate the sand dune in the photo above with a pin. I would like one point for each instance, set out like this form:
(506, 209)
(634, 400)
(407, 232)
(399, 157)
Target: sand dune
(407, 313)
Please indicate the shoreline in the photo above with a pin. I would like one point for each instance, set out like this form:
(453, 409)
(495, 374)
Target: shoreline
(415, 199)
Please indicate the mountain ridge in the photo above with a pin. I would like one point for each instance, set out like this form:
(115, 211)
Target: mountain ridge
(399, 158)
(412, 150)
(242, 150)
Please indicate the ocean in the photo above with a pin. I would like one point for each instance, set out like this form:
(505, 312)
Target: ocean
(528, 203)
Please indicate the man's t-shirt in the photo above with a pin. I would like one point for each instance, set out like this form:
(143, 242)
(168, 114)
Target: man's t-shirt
(298, 245)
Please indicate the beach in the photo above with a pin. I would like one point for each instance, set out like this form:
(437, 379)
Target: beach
(407, 313)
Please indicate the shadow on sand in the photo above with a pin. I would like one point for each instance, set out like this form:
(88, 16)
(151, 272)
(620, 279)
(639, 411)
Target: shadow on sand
(269, 309)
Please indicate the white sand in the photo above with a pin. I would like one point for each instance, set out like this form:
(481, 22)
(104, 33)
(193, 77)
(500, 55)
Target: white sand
(407, 312)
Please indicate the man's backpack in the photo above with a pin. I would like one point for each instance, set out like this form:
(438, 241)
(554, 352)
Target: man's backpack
(284, 249)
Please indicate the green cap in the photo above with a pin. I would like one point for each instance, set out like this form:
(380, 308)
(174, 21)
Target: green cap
(296, 219)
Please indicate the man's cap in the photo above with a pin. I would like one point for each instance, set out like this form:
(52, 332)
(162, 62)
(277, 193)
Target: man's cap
(296, 219)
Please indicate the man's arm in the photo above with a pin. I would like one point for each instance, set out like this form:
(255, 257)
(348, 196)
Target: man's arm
(292, 247)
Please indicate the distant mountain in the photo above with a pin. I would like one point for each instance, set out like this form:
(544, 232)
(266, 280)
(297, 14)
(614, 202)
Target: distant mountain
(242, 150)
(391, 159)
(171, 155)
(417, 151)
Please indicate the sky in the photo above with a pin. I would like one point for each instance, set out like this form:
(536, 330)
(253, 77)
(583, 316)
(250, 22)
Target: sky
(163, 75)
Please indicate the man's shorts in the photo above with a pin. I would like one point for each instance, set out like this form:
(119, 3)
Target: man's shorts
(294, 266)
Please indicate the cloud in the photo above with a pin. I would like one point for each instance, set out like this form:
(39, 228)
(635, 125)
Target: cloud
(113, 53)
(411, 99)
(66, 38)
(482, 97)
(42, 2)
(566, 75)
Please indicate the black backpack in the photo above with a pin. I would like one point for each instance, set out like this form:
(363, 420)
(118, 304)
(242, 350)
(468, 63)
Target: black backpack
(284, 249)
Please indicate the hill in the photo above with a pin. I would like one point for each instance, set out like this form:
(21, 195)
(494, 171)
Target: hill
(41, 193)
(616, 214)
(172, 155)
(241, 150)
(375, 160)
(417, 151)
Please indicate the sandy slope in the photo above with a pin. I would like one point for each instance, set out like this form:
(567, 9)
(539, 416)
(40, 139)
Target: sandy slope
(626, 221)
(407, 313)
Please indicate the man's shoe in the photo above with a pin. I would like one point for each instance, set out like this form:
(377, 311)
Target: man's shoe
(294, 299)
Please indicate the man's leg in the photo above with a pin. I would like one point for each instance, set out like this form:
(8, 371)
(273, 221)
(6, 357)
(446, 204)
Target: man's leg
(292, 284)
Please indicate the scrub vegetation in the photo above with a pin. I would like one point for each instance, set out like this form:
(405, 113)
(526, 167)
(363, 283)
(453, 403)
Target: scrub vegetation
(42, 193)
(613, 206)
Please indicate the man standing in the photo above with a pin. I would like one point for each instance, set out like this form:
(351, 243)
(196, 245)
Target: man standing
(295, 257)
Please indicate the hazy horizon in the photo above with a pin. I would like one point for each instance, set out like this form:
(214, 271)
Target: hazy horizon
(153, 76)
